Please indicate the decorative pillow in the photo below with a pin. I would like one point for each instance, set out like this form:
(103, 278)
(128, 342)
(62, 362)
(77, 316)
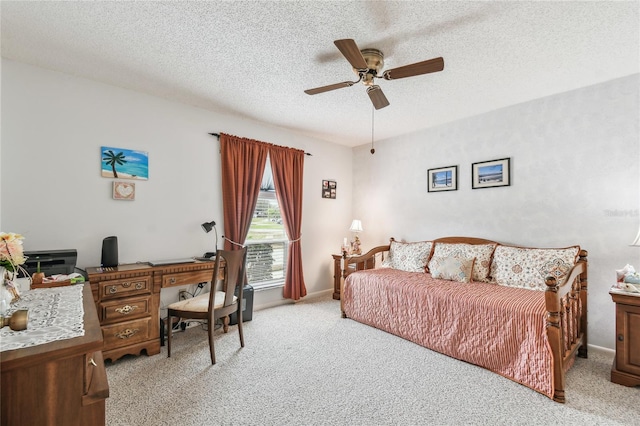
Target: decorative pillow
(410, 257)
(451, 268)
(481, 252)
(529, 267)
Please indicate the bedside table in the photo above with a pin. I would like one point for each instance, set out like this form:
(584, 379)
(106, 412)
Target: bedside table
(626, 364)
(337, 270)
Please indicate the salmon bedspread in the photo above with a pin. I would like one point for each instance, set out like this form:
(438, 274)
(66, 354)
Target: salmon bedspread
(499, 328)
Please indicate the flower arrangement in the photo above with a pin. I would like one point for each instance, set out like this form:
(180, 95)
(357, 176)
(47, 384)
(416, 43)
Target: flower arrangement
(11, 259)
(11, 253)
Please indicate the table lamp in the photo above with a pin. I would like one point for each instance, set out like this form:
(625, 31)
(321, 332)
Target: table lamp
(356, 226)
(208, 226)
(636, 242)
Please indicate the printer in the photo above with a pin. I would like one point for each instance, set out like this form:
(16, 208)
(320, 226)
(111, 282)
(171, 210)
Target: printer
(52, 262)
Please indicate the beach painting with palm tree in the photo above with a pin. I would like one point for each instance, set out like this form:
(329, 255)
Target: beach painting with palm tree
(124, 163)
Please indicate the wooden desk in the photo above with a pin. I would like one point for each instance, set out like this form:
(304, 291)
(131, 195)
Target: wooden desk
(58, 383)
(127, 299)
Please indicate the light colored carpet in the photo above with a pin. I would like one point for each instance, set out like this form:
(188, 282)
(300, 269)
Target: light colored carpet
(305, 365)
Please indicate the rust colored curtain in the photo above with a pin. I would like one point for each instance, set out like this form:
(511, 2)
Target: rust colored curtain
(243, 162)
(287, 165)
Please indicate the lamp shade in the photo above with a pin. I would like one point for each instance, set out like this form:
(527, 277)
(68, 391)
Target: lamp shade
(356, 226)
(208, 226)
(636, 242)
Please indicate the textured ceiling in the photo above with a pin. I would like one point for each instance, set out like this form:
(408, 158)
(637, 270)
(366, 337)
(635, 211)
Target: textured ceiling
(255, 59)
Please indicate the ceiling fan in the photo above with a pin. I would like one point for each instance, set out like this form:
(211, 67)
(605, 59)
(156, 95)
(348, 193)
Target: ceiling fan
(367, 64)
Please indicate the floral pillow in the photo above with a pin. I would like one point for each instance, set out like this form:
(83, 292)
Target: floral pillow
(451, 268)
(529, 267)
(410, 257)
(481, 252)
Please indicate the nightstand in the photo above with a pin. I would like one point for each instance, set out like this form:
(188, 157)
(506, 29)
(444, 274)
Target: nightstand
(337, 270)
(626, 364)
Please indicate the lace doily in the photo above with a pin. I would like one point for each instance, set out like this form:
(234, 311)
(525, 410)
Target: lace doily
(54, 314)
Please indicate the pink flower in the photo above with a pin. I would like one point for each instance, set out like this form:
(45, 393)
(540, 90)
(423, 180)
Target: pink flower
(11, 252)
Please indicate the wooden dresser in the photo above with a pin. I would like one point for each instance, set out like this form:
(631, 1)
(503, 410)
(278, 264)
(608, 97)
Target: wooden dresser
(58, 383)
(626, 365)
(127, 299)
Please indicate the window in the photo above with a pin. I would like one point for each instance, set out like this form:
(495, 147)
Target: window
(267, 242)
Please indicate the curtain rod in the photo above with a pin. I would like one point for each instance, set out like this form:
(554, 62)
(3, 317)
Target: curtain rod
(217, 135)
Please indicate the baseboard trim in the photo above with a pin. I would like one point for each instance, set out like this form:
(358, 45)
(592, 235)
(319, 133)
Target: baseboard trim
(281, 302)
(601, 349)
(316, 294)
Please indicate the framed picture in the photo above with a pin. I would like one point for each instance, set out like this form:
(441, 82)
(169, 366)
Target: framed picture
(489, 174)
(329, 189)
(124, 190)
(443, 179)
(121, 163)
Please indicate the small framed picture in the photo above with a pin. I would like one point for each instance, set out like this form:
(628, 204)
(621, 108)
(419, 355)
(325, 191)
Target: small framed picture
(443, 179)
(489, 174)
(124, 190)
(329, 189)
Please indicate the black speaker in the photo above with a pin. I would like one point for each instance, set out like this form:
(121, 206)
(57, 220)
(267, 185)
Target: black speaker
(109, 252)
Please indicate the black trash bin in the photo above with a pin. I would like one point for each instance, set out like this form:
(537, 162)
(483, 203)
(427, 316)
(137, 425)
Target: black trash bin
(247, 306)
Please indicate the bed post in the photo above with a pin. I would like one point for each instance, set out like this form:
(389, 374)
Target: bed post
(582, 351)
(343, 275)
(554, 334)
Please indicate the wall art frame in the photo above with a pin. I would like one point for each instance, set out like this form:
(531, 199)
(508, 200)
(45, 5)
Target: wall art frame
(442, 179)
(123, 163)
(329, 189)
(124, 190)
(491, 174)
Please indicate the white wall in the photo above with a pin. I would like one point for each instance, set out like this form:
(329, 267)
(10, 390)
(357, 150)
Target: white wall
(575, 180)
(52, 192)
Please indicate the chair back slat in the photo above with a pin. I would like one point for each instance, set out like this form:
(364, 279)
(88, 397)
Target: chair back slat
(234, 271)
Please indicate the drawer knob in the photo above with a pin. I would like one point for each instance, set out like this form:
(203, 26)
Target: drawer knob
(125, 334)
(113, 289)
(620, 337)
(126, 309)
(126, 284)
(139, 285)
(172, 280)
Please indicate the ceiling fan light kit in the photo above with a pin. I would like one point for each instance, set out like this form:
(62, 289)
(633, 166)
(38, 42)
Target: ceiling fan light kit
(368, 63)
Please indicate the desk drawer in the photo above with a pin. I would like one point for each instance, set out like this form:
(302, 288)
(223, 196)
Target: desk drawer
(184, 278)
(125, 287)
(126, 333)
(92, 362)
(124, 309)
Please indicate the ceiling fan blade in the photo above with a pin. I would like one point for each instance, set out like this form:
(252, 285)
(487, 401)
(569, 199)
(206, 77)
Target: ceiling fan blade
(424, 67)
(350, 50)
(378, 99)
(329, 87)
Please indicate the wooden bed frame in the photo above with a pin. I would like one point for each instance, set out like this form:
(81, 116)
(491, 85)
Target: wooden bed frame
(567, 334)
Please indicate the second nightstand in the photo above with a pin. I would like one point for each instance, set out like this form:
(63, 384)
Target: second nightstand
(626, 365)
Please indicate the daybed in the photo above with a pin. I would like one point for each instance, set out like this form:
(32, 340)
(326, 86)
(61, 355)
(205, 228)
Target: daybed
(519, 312)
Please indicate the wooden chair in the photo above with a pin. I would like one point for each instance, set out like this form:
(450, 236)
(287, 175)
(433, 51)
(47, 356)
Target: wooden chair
(215, 304)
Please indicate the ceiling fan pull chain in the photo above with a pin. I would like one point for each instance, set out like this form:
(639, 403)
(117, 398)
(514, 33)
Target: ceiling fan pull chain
(373, 110)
